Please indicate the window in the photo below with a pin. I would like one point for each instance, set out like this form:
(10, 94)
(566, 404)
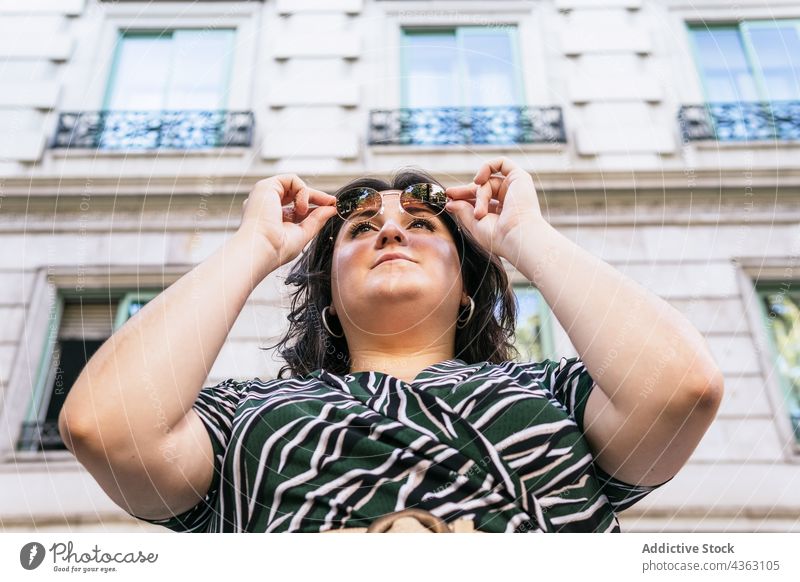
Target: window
(533, 332)
(83, 324)
(469, 66)
(751, 79)
(781, 309)
(463, 85)
(171, 70)
(754, 61)
(167, 89)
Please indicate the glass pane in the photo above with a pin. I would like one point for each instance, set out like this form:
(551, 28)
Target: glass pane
(201, 61)
(141, 73)
(490, 67)
(431, 76)
(134, 307)
(529, 338)
(777, 54)
(73, 355)
(783, 324)
(723, 64)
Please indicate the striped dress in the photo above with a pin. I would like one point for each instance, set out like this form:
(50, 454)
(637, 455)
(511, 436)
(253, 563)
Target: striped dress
(501, 444)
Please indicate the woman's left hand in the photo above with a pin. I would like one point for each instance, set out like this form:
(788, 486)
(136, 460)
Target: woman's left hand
(497, 209)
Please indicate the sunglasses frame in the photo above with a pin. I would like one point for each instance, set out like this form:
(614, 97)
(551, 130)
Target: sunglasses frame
(439, 190)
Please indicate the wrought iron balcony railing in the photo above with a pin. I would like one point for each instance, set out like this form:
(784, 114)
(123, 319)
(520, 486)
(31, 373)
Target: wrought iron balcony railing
(150, 130)
(41, 436)
(467, 126)
(741, 121)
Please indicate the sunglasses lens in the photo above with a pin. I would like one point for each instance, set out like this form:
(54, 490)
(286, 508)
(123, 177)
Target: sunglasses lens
(425, 196)
(365, 202)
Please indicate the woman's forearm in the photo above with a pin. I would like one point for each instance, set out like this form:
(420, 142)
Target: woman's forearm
(638, 348)
(146, 376)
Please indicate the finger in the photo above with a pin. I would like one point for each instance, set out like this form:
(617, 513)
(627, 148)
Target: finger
(291, 189)
(301, 200)
(483, 196)
(284, 185)
(464, 192)
(321, 198)
(289, 214)
(316, 219)
(502, 189)
(471, 187)
(464, 211)
(495, 206)
(502, 165)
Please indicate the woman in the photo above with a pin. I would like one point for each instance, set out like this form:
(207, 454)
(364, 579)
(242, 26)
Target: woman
(399, 405)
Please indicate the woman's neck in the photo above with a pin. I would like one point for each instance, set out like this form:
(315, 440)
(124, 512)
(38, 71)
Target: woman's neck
(403, 366)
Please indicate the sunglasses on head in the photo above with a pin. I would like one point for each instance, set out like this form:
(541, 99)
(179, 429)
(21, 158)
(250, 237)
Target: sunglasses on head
(367, 202)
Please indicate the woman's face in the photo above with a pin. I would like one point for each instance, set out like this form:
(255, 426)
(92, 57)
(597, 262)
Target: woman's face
(424, 284)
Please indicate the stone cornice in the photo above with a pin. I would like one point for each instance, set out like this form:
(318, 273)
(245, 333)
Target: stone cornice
(583, 182)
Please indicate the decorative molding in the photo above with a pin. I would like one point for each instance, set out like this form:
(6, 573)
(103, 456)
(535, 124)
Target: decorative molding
(713, 181)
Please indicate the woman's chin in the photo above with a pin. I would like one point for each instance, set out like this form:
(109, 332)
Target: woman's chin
(397, 286)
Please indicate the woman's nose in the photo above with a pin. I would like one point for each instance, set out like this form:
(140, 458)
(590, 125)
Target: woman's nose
(391, 231)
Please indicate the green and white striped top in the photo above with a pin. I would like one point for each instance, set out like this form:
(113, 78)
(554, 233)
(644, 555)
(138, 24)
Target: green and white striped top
(501, 444)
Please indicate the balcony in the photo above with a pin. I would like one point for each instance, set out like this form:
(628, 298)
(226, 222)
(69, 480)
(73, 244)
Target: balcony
(444, 126)
(741, 121)
(153, 130)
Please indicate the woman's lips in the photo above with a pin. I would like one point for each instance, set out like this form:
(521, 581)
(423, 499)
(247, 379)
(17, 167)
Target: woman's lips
(391, 257)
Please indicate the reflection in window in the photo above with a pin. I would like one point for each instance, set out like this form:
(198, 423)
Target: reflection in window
(533, 329)
(782, 309)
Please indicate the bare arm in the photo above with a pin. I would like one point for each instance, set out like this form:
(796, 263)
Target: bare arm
(125, 406)
(659, 386)
(128, 418)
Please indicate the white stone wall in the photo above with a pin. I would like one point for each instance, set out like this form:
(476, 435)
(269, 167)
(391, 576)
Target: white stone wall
(36, 40)
(695, 223)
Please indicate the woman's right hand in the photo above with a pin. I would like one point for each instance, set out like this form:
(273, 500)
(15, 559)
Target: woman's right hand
(284, 232)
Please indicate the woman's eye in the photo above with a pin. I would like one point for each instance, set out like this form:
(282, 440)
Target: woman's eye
(358, 227)
(423, 222)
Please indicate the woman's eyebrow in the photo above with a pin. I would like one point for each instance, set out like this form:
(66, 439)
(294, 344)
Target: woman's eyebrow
(418, 210)
(413, 210)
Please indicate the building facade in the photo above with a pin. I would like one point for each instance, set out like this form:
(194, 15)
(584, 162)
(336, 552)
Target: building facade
(663, 137)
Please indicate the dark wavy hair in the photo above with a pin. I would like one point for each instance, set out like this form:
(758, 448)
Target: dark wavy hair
(307, 346)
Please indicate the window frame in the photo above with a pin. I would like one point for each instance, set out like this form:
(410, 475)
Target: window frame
(527, 17)
(88, 92)
(743, 29)
(43, 387)
(695, 51)
(158, 33)
(460, 31)
(545, 317)
(753, 273)
(786, 401)
(39, 330)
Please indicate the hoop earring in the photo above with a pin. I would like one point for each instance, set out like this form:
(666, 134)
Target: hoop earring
(471, 311)
(325, 323)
